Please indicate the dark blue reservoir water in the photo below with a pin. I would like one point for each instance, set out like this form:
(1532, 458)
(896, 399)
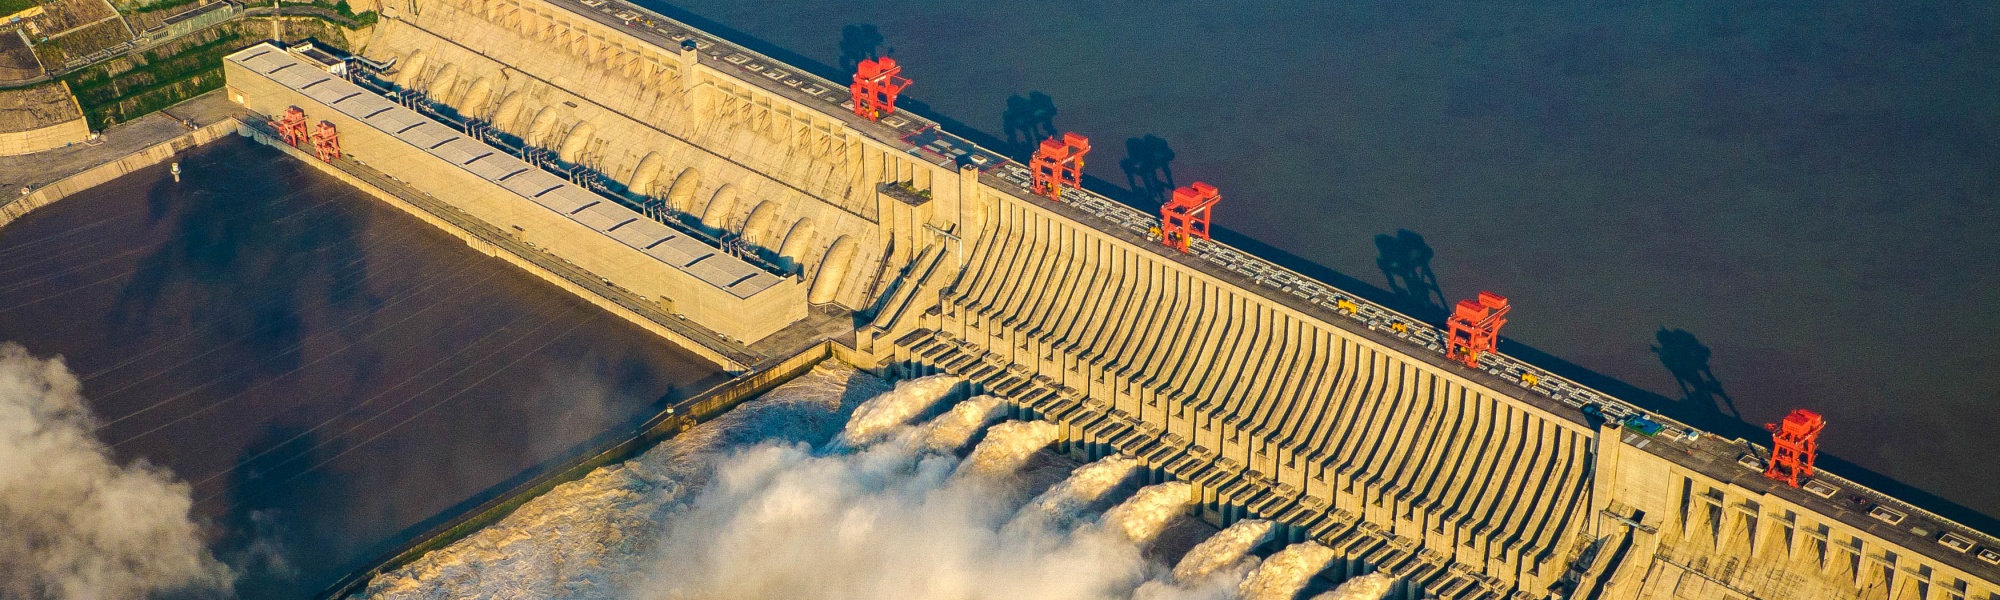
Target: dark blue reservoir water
(1737, 208)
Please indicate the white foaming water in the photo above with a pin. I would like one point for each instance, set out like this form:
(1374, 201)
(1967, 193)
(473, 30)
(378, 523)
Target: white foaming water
(740, 508)
(1220, 585)
(1007, 447)
(588, 538)
(744, 507)
(1284, 574)
(883, 414)
(953, 429)
(888, 522)
(1373, 586)
(73, 522)
(1087, 484)
(1223, 550)
(1147, 513)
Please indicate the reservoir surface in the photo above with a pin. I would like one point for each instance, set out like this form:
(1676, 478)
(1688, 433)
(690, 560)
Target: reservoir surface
(329, 374)
(1735, 208)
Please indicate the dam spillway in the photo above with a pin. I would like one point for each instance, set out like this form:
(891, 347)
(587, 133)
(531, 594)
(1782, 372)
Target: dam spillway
(1273, 395)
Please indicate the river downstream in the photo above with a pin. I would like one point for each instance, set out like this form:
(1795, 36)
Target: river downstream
(327, 373)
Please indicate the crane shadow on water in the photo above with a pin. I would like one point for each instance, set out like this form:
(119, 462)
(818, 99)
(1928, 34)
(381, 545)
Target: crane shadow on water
(1148, 167)
(1687, 359)
(859, 42)
(1028, 120)
(1405, 260)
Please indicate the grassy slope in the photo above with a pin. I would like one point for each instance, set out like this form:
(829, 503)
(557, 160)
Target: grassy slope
(8, 7)
(126, 89)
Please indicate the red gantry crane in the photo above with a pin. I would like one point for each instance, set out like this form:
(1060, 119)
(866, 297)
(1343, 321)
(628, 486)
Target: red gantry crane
(1475, 327)
(1186, 213)
(1794, 445)
(876, 84)
(1058, 163)
(292, 126)
(326, 142)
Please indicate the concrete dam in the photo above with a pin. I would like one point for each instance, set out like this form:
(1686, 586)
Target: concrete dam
(764, 211)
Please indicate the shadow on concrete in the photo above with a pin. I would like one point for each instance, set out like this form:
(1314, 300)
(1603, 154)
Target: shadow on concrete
(1405, 261)
(1137, 197)
(1148, 167)
(1028, 120)
(1687, 359)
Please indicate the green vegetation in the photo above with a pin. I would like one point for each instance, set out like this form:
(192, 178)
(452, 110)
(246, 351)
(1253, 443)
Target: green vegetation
(8, 7)
(81, 42)
(156, 14)
(168, 6)
(341, 8)
(124, 88)
(161, 82)
(132, 86)
(910, 187)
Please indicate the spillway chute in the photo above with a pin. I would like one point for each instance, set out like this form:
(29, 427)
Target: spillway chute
(956, 427)
(1285, 574)
(1148, 512)
(1228, 547)
(878, 416)
(1007, 448)
(1373, 586)
(1067, 499)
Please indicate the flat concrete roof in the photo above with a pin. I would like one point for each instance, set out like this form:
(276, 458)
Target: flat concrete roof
(608, 217)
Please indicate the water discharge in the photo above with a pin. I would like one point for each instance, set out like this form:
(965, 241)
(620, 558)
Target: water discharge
(883, 414)
(1223, 550)
(1284, 574)
(1147, 513)
(1373, 586)
(1007, 447)
(589, 537)
(1060, 505)
(956, 427)
(772, 501)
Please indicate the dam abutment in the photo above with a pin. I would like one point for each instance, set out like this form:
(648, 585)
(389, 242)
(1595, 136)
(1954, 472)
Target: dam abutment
(113, 167)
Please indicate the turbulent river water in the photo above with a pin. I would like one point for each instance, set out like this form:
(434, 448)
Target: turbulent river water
(310, 375)
(835, 485)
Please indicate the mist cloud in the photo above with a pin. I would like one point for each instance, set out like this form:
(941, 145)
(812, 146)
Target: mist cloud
(768, 501)
(888, 522)
(76, 524)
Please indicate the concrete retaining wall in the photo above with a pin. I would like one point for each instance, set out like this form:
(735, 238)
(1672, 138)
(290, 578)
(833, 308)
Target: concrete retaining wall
(93, 176)
(44, 138)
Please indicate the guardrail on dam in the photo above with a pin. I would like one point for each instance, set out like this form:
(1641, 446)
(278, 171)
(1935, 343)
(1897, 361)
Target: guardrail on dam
(1276, 395)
